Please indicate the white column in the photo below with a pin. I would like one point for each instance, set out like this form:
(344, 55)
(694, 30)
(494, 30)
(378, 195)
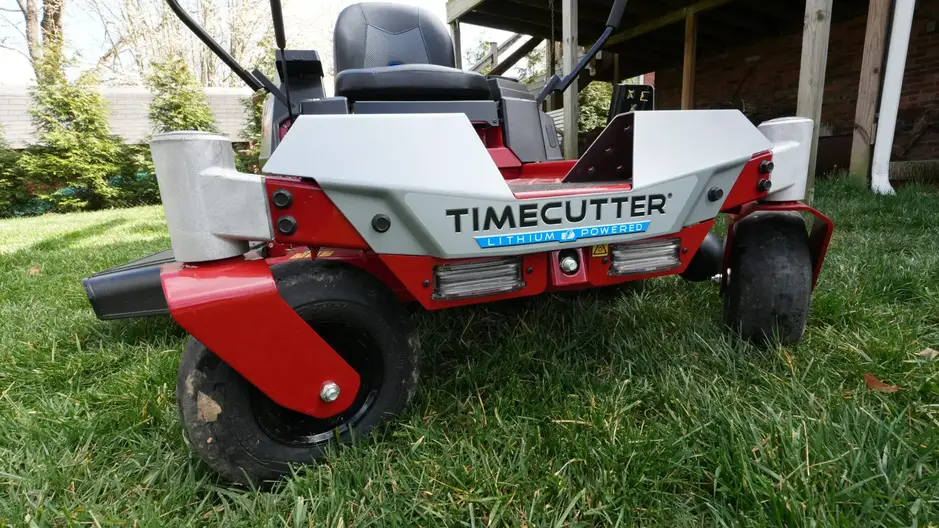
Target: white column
(890, 100)
(571, 101)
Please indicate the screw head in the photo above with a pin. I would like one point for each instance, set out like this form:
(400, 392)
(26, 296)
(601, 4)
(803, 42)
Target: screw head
(764, 185)
(330, 392)
(569, 265)
(530, 271)
(767, 166)
(282, 198)
(287, 225)
(715, 194)
(427, 284)
(381, 223)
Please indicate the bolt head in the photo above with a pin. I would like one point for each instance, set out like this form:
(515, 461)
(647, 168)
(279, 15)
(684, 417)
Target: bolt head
(330, 392)
(569, 265)
(767, 166)
(715, 194)
(287, 225)
(282, 199)
(381, 223)
(764, 185)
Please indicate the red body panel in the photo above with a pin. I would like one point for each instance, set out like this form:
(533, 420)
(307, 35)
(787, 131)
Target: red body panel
(233, 308)
(319, 222)
(745, 189)
(819, 234)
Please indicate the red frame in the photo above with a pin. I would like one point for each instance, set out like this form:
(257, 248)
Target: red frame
(231, 307)
(209, 300)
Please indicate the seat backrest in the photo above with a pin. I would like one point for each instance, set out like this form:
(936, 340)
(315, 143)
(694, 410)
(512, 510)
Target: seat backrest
(371, 35)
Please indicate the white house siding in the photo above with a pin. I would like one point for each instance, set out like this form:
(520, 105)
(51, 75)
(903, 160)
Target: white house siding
(128, 112)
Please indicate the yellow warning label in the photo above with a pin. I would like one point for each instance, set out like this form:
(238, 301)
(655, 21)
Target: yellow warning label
(324, 253)
(600, 251)
(297, 256)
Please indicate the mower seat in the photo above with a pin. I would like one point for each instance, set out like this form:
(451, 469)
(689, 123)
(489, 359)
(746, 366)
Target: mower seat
(395, 52)
(411, 82)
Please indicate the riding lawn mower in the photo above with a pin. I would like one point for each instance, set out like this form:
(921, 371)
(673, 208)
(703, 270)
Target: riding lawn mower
(419, 183)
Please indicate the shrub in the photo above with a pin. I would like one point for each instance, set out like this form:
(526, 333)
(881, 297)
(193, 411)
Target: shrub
(179, 102)
(75, 153)
(248, 158)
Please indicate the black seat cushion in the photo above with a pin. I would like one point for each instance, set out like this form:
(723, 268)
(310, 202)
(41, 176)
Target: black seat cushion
(411, 82)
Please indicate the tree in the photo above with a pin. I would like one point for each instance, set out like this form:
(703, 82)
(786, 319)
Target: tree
(75, 153)
(534, 66)
(43, 29)
(144, 32)
(179, 102)
(594, 105)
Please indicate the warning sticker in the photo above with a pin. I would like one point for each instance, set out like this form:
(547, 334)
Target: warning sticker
(600, 251)
(297, 256)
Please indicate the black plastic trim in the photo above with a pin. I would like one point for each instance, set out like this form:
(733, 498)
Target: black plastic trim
(131, 290)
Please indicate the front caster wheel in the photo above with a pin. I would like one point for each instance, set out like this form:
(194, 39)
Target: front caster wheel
(246, 437)
(770, 283)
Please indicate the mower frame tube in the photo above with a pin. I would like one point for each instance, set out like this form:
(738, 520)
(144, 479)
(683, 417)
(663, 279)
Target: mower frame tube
(234, 309)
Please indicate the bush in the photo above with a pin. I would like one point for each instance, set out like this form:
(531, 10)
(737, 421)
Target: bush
(15, 199)
(248, 158)
(75, 154)
(136, 184)
(179, 102)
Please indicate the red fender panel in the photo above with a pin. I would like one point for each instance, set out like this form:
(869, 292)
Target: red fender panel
(234, 309)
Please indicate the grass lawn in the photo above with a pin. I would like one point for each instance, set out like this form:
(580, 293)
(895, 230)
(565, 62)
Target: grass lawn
(623, 407)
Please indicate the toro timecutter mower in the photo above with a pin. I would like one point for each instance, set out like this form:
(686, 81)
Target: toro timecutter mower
(419, 182)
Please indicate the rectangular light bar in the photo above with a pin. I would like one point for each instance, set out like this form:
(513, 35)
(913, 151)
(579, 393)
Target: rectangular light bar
(476, 279)
(645, 257)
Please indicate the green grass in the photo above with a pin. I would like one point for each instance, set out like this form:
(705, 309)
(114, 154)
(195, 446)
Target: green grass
(622, 407)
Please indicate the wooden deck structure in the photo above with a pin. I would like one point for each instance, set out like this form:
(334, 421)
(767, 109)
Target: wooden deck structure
(659, 34)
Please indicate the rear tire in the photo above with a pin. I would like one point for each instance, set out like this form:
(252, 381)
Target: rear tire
(770, 283)
(246, 437)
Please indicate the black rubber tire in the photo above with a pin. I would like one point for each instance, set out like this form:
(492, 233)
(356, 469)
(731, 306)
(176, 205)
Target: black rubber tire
(770, 283)
(219, 409)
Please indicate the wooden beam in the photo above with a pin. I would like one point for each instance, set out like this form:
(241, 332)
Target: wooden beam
(815, 34)
(688, 69)
(868, 94)
(665, 20)
(571, 96)
(457, 8)
(616, 70)
(495, 50)
(516, 56)
(457, 44)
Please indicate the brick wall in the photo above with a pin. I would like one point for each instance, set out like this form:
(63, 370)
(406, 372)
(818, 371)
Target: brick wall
(762, 80)
(128, 112)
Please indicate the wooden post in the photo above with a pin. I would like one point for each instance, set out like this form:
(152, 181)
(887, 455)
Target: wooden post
(868, 93)
(457, 44)
(571, 96)
(616, 68)
(691, 54)
(815, 33)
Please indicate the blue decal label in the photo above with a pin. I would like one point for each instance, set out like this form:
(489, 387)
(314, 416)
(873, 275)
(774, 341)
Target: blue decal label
(561, 235)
